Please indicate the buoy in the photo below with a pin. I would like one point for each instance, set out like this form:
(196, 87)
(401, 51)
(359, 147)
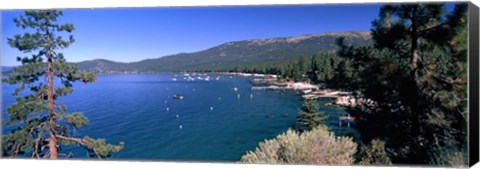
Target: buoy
(348, 120)
(180, 126)
(238, 96)
(219, 98)
(339, 121)
(251, 96)
(211, 108)
(178, 116)
(168, 109)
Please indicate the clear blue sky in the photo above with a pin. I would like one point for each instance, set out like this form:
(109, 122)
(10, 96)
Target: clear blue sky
(133, 34)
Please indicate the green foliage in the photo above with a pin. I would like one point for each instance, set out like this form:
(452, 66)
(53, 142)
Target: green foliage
(454, 157)
(308, 116)
(399, 27)
(316, 68)
(37, 118)
(374, 154)
(416, 76)
(99, 148)
(318, 146)
(76, 119)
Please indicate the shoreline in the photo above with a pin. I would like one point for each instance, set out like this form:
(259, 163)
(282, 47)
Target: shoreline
(304, 89)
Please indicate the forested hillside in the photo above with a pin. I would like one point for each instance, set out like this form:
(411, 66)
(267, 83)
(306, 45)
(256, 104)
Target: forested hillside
(234, 54)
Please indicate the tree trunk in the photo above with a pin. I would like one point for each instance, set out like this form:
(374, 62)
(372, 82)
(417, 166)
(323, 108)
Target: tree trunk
(418, 115)
(414, 51)
(53, 140)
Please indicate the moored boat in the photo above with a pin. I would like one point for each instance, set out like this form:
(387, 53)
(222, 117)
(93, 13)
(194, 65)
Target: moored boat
(178, 97)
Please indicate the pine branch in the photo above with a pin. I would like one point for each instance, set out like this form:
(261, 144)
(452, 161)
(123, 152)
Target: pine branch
(35, 150)
(78, 140)
(82, 143)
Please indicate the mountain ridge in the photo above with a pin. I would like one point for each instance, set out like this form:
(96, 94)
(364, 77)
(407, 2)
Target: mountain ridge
(232, 54)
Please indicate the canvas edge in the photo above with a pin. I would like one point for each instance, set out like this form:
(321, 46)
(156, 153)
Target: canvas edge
(473, 94)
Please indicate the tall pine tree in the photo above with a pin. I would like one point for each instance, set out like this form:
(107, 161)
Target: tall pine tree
(309, 117)
(416, 75)
(40, 122)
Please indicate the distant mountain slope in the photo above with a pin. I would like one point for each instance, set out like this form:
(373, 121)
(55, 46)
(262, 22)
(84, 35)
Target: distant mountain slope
(231, 54)
(7, 69)
(104, 66)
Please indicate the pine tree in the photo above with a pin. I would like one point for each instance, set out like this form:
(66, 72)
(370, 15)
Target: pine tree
(313, 73)
(40, 122)
(406, 26)
(308, 116)
(416, 76)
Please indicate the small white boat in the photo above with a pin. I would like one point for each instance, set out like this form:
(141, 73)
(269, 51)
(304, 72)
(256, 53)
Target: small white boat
(178, 97)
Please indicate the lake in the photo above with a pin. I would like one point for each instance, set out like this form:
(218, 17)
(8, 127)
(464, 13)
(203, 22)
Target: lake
(216, 121)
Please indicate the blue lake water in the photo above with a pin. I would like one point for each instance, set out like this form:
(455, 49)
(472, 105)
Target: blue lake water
(212, 123)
